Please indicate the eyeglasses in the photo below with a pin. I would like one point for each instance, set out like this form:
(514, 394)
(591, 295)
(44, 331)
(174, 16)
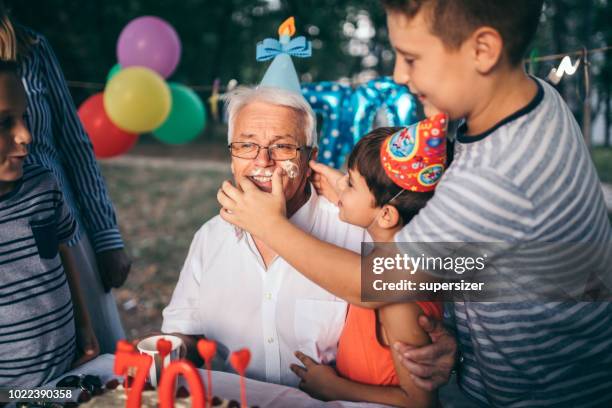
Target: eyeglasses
(277, 152)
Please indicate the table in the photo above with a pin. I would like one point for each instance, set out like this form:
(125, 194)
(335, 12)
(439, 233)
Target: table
(227, 385)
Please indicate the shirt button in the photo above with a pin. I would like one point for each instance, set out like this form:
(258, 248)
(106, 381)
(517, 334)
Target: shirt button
(268, 296)
(270, 340)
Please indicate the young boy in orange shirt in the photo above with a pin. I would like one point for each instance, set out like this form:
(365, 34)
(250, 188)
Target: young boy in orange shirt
(521, 175)
(385, 188)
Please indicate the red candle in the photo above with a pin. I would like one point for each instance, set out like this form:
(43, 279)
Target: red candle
(142, 363)
(240, 360)
(167, 384)
(164, 347)
(127, 347)
(124, 345)
(207, 350)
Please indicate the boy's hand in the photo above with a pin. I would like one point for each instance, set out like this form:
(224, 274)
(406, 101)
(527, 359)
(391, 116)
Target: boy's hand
(251, 209)
(430, 366)
(326, 180)
(87, 346)
(114, 266)
(317, 379)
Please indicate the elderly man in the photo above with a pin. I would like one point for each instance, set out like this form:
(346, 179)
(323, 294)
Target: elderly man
(233, 288)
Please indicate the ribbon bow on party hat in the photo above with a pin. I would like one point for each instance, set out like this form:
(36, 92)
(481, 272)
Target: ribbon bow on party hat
(415, 157)
(281, 72)
(270, 48)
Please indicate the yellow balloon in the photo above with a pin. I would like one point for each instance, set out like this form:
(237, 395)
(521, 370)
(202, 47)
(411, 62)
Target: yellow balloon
(137, 100)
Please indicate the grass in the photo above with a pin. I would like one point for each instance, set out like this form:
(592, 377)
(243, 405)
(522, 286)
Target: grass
(158, 210)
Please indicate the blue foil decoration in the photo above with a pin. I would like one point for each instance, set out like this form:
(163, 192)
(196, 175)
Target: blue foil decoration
(348, 114)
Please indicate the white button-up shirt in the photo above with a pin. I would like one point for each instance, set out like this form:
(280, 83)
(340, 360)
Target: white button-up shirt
(226, 293)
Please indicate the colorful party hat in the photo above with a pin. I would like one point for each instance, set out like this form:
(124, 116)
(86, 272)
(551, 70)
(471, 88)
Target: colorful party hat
(281, 73)
(415, 157)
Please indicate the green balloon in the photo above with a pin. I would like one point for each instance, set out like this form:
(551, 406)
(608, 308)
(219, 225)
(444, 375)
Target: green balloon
(187, 117)
(113, 71)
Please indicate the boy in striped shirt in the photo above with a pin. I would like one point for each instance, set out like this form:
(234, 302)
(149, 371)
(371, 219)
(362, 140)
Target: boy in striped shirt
(521, 176)
(44, 325)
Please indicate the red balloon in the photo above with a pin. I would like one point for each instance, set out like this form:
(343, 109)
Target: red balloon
(107, 139)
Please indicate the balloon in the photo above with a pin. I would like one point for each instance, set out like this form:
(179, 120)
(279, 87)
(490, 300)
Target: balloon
(107, 139)
(349, 114)
(187, 117)
(399, 104)
(150, 42)
(137, 100)
(331, 101)
(113, 71)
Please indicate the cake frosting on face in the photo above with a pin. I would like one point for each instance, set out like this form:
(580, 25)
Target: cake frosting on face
(114, 395)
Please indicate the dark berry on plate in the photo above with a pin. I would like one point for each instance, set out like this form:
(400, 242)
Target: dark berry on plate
(112, 384)
(84, 396)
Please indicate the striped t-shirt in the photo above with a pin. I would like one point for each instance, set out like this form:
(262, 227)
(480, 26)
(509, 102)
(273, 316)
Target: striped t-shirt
(37, 329)
(530, 179)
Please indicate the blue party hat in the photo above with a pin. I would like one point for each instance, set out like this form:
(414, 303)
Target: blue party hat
(281, 72)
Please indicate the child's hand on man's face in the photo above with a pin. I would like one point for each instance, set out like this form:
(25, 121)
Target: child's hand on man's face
(326, 181)
(251, 209)
(317, 379)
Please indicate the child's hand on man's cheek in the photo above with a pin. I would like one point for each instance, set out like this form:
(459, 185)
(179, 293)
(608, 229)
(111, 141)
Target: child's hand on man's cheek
(249, 208)
(326, 181)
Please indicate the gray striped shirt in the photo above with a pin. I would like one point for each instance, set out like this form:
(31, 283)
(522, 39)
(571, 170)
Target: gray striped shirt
(530, 179)
(37, 329)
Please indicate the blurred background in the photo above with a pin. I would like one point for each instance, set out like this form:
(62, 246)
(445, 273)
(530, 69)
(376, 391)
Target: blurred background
(164, 193)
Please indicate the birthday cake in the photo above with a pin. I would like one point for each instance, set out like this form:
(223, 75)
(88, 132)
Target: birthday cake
(115, 395)
(133, 390)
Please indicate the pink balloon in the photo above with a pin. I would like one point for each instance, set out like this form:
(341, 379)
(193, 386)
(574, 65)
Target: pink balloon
(149, 42)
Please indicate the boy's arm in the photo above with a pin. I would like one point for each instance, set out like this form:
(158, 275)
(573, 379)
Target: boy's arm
(263, 215)
(86, 338)
(399, 323)
(335, 269)
(322, 382)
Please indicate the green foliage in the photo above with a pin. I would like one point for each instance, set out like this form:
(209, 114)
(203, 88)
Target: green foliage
(602, 157)
(218, 38)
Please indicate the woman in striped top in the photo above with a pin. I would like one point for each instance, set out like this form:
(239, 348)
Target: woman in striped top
(60, 144)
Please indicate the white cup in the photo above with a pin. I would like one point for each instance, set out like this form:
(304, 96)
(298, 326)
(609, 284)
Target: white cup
(149, 346)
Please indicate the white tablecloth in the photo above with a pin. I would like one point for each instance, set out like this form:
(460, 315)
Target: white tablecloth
(227, 385)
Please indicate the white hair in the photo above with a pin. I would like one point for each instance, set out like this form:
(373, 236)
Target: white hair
(243, 95)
